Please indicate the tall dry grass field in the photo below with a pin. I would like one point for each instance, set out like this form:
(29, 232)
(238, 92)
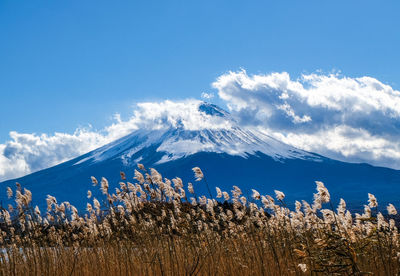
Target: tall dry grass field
(155, 226)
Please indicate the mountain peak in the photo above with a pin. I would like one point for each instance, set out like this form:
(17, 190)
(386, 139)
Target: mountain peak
(212, 109)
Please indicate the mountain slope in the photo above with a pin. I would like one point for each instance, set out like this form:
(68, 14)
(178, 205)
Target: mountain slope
(228, 155)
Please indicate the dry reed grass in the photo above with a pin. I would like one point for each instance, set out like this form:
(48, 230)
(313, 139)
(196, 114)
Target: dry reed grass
(157, 227)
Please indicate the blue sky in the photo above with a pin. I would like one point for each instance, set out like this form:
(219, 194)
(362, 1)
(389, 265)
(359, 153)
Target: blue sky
(68, 64)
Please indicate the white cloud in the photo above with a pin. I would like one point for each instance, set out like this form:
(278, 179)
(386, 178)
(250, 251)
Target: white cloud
(345, 143)
(168, 113)
(25, 153)
(351, 119)
(207, 96)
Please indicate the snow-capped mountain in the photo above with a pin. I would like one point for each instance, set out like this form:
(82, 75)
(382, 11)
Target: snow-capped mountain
(228, 154)
(175, 142)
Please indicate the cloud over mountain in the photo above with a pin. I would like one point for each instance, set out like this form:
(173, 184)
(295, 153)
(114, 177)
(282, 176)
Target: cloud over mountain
(25, 153)
(352, 119)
